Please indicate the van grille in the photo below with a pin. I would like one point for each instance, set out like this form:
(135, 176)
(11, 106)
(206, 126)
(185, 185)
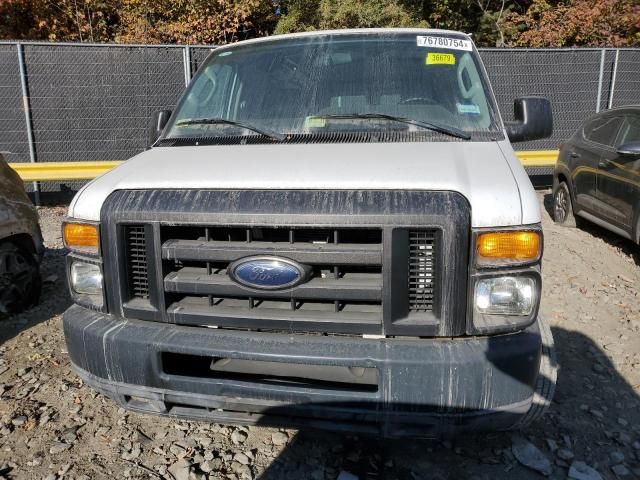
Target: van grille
(345, 286)
(138, 275)
(390, 263)
(422, 270)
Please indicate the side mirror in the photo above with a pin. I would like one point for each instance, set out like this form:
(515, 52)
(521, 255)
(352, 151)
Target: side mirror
(533, 119)
(160, 120)
(631, 149)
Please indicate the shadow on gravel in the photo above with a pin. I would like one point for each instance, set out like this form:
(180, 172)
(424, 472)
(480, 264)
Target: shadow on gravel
(54, 298)
(626, 246)
(592, 415)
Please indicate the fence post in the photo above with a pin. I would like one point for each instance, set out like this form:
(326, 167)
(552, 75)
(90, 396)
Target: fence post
(26, 105)
(186, 58)
(613, 78)
(602, 54)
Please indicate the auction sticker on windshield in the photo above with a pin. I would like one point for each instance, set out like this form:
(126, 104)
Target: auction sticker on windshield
(443, 42)
(440, 59)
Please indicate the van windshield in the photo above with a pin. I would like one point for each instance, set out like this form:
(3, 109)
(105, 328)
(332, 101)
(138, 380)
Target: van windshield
(331, 83)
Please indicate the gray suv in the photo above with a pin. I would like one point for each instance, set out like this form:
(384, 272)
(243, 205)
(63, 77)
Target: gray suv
(330, 230)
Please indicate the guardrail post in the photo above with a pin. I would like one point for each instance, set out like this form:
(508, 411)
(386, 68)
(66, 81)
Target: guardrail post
(613, 78)
(26, 105)
(602, 55)
(186, 58)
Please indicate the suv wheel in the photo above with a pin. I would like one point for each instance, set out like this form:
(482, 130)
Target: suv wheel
(19, 279)
(562, 207)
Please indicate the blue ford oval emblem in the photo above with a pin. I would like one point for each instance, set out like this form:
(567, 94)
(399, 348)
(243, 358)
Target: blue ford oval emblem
(268, 273)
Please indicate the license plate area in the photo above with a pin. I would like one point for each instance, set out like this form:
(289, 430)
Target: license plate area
(327, 377)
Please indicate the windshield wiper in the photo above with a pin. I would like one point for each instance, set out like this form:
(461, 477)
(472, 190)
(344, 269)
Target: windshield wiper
(222, 121)
(451, 131)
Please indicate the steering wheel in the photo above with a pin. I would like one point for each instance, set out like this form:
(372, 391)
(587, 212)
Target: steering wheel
(418, 101)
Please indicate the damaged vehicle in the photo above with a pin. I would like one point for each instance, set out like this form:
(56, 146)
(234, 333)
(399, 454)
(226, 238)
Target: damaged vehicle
(331, 230)
(21, 246)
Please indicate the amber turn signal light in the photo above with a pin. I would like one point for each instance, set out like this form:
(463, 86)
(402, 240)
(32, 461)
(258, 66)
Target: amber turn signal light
(508, 248)
(81, 236)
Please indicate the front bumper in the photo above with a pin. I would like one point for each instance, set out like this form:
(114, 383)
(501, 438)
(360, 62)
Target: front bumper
(425, 387)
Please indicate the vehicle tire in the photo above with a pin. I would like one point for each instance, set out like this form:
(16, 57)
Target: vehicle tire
(547, 377)
(20, 281)
(563, 207)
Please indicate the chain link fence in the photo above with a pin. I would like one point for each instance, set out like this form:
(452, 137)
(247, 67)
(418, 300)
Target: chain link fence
(94, 102)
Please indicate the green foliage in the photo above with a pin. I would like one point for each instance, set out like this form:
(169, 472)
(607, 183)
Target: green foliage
(304, 15)
(364, 14)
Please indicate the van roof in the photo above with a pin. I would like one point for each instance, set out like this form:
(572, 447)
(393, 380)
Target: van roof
(350, 31)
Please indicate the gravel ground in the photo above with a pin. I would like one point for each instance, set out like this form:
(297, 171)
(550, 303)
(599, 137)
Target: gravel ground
(52, 427)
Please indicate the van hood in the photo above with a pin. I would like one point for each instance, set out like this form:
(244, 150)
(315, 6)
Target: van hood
(486, 173)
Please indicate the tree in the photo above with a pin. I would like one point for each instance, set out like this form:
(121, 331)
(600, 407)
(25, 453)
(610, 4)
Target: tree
(531, 23)
(594, 23)
(302, 15)
(61, 20)
(483, 18)
(194, 21)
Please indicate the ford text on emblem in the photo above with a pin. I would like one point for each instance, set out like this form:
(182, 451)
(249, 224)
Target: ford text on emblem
(268, 273)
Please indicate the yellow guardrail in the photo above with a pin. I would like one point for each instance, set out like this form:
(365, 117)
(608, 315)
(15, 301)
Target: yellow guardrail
(52, 171)
(538, 158)
(55, 171)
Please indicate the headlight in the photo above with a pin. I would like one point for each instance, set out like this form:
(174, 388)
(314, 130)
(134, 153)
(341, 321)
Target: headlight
(503, 303)
(505, 295)
(86, 278)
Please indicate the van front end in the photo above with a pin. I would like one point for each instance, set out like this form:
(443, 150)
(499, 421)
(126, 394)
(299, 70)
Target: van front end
(375, 311)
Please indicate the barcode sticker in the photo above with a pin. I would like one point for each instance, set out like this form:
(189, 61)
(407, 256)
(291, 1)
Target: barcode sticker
(444, 42)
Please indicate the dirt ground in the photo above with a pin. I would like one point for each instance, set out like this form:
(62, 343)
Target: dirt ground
(51, 426)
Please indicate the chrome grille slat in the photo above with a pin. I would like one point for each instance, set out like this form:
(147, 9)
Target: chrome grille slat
(195, 281)
(221, 251)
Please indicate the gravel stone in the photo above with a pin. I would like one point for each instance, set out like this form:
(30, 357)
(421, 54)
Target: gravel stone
(582, 471)
(279, 438)
(238, 437)
(565, 454)
(206, 466)
(19, 421)
(59, 447)
(344, 475)
(530, 456)
(241, 458)
(243, 471)
(616, 457)
(181, 469)
(621, 470)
